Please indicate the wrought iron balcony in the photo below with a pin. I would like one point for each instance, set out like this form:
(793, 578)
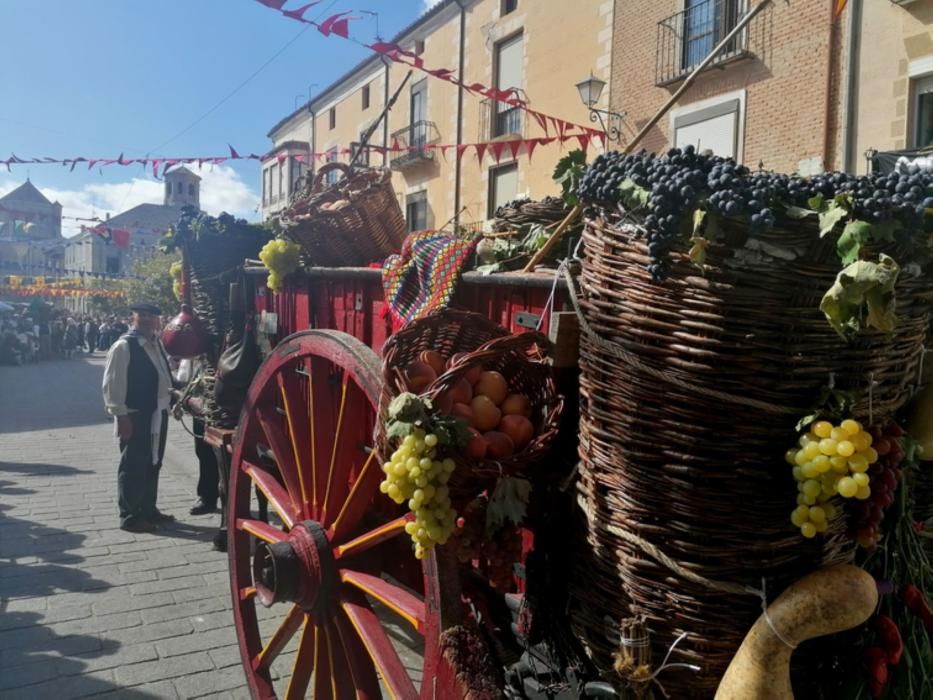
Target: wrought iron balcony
(498, 119)
(686, 38)
(413, 141)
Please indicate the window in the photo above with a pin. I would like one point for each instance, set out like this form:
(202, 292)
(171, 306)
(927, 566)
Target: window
(298, 172)
(365, 96)
(333, 175)
(418, 109)
(168, 189)
(364, 156)
(714, 128)
(706, 23)
(508, 58)
(191, 189)
(281, 180)
(266, 185)
(508, 6)
(178, 188)
(419, 47)
(503, 187)
(923, 112)
(113, 266)
(416, 211)
(332, 117)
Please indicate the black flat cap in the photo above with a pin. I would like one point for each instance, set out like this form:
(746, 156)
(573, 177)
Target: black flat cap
(147, 308)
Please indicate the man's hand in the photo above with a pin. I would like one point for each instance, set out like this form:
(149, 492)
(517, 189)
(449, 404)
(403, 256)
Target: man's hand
(124, 427)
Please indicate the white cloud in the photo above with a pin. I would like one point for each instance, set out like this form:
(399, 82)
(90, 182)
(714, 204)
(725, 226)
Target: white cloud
(222, 189)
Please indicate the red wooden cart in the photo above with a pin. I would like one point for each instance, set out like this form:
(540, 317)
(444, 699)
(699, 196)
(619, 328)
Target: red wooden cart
(329, 600)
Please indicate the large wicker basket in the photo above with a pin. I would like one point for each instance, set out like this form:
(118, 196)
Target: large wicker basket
(520, 358)
(690, 391)
(355, 221)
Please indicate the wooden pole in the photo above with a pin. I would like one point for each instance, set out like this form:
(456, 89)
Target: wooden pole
(690, 79)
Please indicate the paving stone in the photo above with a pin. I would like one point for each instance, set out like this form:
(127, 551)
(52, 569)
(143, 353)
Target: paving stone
(13, 620)
(66, 688)
(224, 636)
(200, 684)
(224, 657)
(151, 632)
(159, 670)
(98, 623)
(188, 611)
(111, 655)
(171, 585)
(27, 674)
(132, 602)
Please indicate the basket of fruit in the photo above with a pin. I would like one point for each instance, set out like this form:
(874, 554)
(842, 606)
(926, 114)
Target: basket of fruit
(719, 310)
(355, 221)
(497, 386)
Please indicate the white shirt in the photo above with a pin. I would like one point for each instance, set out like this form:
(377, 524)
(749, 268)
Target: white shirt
(115, 374)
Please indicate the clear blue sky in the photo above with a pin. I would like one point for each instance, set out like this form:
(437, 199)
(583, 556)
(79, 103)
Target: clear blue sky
(96, 77)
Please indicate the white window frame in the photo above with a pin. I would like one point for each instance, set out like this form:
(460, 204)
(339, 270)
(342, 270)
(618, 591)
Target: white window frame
(919, 85)
(695, 109)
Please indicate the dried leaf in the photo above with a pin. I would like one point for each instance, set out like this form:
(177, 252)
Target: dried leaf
(832, 215)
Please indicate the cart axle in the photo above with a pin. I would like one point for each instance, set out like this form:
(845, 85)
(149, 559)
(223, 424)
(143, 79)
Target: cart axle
(299, 569)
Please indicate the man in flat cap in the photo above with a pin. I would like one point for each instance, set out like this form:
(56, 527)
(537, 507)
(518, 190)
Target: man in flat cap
(137, 386)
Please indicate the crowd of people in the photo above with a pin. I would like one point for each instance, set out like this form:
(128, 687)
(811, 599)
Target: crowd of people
(29, 335)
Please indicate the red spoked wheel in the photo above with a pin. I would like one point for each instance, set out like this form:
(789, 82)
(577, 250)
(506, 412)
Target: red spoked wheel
(329, 600)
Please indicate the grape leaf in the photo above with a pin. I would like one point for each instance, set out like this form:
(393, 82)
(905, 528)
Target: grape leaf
(832, 215)
(883, 232)
(490, 268)
(854, 236)
(816, 202)
(797, 212)
(633, 196)
(863, 295)
(398, 429)
(508, 503)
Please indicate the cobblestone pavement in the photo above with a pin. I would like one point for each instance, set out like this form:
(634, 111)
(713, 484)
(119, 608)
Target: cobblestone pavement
(86, 608)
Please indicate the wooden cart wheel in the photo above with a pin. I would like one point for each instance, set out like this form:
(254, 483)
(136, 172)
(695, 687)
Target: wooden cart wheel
(330, 578)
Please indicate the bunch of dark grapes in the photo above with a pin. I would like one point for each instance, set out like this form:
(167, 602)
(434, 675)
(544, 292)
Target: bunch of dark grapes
(864, 518)
(681, 180)
(493, 556)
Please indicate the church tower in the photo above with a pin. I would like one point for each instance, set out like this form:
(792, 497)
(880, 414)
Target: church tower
(182, 188)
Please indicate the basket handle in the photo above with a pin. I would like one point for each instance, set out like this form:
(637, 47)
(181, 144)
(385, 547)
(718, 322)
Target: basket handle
(317, 185)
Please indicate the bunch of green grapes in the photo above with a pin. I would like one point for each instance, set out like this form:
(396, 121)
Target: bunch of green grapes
(282, 258)
(175, 271)
(830, 460)
(415, 475)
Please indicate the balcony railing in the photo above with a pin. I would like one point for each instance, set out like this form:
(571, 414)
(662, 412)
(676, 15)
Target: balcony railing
(412, 142)
(498, 119)
(686, 38)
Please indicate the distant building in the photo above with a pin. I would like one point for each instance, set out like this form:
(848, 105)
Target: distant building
(95, 251)
(30, 232)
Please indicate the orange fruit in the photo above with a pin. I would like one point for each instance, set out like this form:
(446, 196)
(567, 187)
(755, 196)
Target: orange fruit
(516, 404)
(493, 385)
(519, 429)
(499, 444)
(486, 414)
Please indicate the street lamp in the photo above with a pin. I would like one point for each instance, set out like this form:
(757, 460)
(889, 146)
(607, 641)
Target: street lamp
(590, 91)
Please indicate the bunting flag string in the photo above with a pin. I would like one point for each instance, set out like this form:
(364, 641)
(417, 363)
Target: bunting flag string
(339, 24)
(495, 148)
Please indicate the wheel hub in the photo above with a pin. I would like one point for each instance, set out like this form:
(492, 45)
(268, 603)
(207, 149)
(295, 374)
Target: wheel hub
(300, 569)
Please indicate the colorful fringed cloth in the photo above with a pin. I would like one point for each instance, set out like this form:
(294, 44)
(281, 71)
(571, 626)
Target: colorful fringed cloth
(423, 277)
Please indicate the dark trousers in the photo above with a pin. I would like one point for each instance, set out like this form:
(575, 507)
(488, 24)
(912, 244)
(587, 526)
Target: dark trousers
(208, 473)
(137, 475)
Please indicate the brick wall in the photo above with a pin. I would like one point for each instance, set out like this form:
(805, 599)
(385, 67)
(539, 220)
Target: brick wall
(785, 82)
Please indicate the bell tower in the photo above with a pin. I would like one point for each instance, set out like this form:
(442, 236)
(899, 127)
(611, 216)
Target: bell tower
(182, 188)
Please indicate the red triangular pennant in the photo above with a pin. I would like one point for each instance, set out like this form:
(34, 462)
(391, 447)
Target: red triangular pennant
(330, 25)
(299, 12)
(481, 151)
(530, 146)
(584, 140)
(496, 149)
(233, 153)
(274, 4)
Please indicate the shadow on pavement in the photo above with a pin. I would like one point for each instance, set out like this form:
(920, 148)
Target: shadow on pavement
(33, 469)
(40, 404)
(35, 661)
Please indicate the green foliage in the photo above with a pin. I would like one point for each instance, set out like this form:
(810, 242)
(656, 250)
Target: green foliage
(508, 503)
(862, 296)
(567, 174)
(150, 280)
